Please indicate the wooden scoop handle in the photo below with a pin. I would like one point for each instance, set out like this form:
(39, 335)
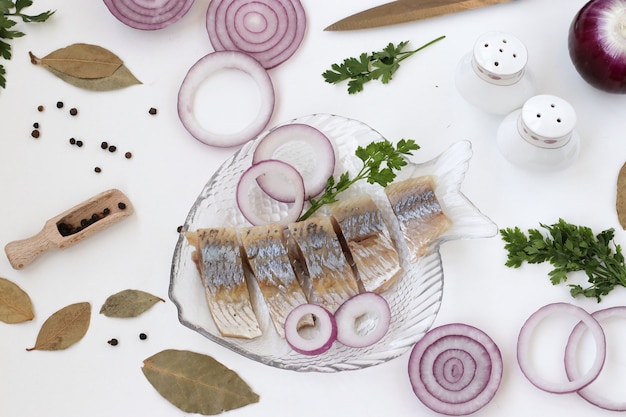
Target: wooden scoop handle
(22, 252)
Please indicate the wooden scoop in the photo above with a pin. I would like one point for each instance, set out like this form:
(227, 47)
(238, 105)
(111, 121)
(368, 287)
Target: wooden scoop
(71, 226)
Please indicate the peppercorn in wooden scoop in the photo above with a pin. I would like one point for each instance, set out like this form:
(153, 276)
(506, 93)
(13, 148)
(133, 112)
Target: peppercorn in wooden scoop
(71, 226)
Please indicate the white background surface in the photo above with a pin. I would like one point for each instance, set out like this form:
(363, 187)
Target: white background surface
(41, 178)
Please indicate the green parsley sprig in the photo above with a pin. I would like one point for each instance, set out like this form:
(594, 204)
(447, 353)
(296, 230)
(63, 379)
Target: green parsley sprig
(380, 161)
(569, 248)
(367, 67)
(9, 10)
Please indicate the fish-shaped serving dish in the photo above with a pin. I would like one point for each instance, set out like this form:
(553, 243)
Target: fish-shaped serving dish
(414, 296)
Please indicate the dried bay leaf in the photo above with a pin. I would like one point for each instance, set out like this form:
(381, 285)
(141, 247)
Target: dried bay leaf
(64, 328)
(621, 196)
(128, 303)
(15, 304)
(87, 66)
(197, 383)
(81, 60)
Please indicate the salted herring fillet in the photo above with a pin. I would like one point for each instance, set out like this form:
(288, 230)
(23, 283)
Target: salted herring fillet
(268, 257)
(368, 242)
(330, 278)
(219, 260)
(420, 216)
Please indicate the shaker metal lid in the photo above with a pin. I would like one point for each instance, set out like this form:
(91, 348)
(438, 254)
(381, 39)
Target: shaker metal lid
(547, 121)
(499, 58)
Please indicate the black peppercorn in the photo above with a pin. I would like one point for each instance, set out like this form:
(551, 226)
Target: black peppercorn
(36, 125)
(143, 336)
(152, 111)
(112, 148)
(79, 143)
(106, 211)
(113, 342)
(59, 104)
(40, 108)
(121, 206)
(73, 111)
(35, 133)
(104, 145)
(98, 169)
(128, 155)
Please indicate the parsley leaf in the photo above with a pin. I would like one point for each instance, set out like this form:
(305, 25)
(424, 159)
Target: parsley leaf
(570, 248)
(380, 161)
(380, 65)
(13, 9)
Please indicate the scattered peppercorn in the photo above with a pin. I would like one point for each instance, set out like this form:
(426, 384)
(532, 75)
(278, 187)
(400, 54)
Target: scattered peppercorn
(152, 111)
(40, 108)
(35, 133)
(72, 141)
(106, 211)
(59, 104)
(113, 342)
(143, 336)
(79, 143)
(73, 111)
(36, 125)
(112, 148)
(104, 145)
(128, 155)
(179, 229)
(98, 169)
(121, 206)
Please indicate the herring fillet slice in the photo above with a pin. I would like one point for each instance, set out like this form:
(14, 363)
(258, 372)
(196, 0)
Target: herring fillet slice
(329, 275)
(268, 257)
(420, 216)
(219, 261)
(368, 241)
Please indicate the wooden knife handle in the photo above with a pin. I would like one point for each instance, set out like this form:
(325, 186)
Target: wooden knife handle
(22, 252)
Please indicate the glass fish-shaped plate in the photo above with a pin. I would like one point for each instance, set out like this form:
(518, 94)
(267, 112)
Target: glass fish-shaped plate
(414, 298)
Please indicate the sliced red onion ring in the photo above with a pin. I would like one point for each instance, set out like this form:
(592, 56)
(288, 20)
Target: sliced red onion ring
(270, 31)
(455, 369)
(254, 212)
(303, 147)
(204, 68)
(362, 320)
(148, 14)
(571, 367)
(306, 339)
(524, 341)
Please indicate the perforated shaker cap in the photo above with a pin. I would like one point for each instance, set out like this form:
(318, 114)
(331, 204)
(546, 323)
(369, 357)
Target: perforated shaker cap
(547, 121)
(499, 58)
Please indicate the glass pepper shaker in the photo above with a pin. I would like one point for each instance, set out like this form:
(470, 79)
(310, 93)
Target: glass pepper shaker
(541, 135)
(494, 76)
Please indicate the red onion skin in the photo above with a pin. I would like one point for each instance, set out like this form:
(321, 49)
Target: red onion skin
(589, 54)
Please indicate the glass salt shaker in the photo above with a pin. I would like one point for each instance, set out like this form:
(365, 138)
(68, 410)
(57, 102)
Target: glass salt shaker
(494, 76)
(541, 135)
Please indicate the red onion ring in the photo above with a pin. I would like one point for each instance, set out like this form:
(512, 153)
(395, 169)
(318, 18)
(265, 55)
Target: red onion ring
(572, 370)
(148, 15)
(204, 68)
(310, 340)
(303, 147)
(455, 369)
(525, 337)
(270, 31)
(362, 320)
(248, 180)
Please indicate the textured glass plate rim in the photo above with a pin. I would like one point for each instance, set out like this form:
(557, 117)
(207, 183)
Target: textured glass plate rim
(187, 293)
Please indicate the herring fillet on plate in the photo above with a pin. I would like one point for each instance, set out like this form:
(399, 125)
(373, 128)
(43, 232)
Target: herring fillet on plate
(329, 274)
(368, 242)
(268, 257)
(219, 261)
(418, 211)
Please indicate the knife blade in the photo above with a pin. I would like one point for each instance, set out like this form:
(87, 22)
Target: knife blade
(402, 11)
